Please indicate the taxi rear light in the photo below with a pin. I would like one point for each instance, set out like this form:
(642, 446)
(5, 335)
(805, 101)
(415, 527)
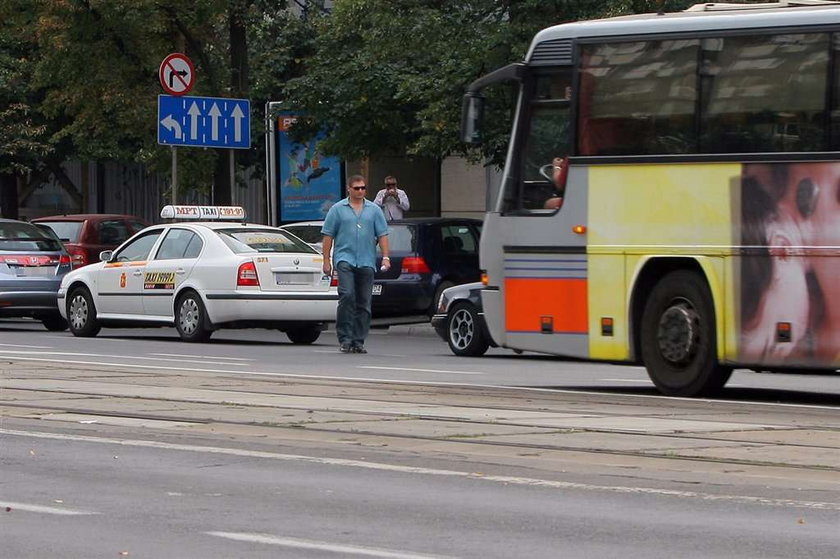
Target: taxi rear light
(414, 265)
(247, 275)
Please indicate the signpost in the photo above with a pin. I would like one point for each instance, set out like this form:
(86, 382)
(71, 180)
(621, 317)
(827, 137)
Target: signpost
(214, 122)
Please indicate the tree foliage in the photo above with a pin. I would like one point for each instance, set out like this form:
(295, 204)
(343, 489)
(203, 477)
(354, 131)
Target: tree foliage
(78, 78)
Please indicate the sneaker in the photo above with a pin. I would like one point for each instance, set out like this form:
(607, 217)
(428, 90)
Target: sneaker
(346, 348)
(359, 349)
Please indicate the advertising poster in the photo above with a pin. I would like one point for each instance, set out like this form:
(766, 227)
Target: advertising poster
(790, 270)
(310, 183)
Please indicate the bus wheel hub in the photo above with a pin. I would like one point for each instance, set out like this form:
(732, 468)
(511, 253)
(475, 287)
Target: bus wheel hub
(678, 334)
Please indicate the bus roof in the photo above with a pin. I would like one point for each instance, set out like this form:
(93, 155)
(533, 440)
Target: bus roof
(553, 45)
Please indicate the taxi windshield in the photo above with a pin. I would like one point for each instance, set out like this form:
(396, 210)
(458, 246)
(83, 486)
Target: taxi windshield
(262, 240)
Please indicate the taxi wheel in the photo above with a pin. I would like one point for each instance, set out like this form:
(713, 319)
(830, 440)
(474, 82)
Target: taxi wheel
(81, 314)
(191, 318)
(304, 334)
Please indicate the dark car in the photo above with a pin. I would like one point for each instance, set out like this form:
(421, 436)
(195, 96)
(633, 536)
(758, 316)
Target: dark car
(459, 320)
(32, 263)
(427, 256)
(86, 235)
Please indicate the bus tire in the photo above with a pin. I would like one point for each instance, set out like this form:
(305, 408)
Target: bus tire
(679, 347)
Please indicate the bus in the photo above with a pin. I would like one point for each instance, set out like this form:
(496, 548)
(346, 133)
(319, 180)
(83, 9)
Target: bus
(671, 193)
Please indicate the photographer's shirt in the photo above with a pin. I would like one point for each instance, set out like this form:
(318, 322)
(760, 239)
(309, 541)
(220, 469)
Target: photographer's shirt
(393, 208)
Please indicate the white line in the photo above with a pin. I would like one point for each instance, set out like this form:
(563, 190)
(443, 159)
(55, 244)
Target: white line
(636, 380)
(504, 480)
(442, 372)
(320, 546)
(203, 356)
(42, 509)
(27, 346)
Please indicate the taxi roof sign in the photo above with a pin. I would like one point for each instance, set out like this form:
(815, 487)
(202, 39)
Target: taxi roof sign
(197, 213)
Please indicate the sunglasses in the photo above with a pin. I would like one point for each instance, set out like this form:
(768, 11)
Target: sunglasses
(359, 187)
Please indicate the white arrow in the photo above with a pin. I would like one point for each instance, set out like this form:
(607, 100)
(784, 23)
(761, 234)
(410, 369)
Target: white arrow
(194, 112)
(215, 113)
(171, 124)
(237, 115)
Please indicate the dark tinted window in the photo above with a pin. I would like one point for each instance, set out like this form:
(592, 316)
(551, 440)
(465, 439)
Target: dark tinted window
(16, 236)
(765, 94)
(638, 97)
(179, 243)
(113, 232)
(136, 225)
(309, 233)
(458, 239)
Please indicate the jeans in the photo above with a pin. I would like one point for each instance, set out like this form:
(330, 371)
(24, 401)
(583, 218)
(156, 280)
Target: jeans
(355, 288)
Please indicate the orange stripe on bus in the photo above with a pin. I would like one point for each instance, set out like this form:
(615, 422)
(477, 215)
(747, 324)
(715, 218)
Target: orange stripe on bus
(527, 300)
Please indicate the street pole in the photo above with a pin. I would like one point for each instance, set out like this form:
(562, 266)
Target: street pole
(174, 176)
(232, 180)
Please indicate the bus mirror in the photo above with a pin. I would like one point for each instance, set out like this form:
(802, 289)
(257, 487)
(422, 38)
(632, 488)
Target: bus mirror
(472, 116)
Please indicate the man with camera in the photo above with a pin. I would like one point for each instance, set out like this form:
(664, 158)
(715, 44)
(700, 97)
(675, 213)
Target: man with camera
(392, 200)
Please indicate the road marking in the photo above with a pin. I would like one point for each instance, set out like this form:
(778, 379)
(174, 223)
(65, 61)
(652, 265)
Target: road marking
(503, 480)
(203, 356)
(321, 546)
(42, 509)
(27, 346)
(442, 372)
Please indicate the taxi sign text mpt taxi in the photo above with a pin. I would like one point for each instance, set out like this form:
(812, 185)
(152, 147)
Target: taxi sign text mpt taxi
(198, 213)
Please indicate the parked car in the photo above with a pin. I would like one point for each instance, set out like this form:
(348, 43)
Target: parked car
(32, 265)
(428, 255)
(86, 235)
(202, 276)
(459, 320)
(309, 231)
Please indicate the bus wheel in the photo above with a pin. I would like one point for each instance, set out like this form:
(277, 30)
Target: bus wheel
(678, 337)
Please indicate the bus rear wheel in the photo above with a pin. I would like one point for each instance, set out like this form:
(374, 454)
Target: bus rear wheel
(679, 347)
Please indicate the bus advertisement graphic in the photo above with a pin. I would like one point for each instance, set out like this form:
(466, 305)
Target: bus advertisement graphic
(309, 181)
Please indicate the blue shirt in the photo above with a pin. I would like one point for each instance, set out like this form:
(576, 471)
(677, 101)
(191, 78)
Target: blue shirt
(354, 236)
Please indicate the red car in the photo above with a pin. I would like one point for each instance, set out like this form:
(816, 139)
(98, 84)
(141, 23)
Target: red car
(86, 235)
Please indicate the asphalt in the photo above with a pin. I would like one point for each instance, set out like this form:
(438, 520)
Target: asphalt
(553, 434)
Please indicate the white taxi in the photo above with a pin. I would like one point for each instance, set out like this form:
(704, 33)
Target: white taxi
(212, 272)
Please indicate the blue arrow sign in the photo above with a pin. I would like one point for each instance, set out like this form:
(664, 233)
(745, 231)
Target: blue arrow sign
(214, 122)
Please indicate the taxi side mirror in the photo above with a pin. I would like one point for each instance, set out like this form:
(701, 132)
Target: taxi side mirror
(105, 255)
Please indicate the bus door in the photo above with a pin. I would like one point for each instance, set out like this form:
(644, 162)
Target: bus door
(539, 231)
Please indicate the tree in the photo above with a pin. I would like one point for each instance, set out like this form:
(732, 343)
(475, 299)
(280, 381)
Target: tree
(388, 77)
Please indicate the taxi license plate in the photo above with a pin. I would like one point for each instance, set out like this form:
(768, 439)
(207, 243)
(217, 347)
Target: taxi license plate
(292, 278)
(377, 289)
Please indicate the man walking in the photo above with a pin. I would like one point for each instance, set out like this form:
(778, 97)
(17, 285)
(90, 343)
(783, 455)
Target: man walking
(351, 230)
(392, 200)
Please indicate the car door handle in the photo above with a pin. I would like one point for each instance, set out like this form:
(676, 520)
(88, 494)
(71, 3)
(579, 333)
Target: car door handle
(137, 273)
(180, 271)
